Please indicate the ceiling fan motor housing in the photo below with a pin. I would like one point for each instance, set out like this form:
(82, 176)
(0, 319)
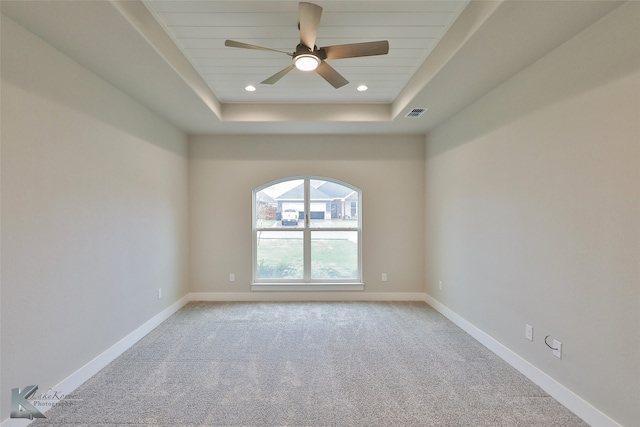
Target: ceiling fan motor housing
(302, 49)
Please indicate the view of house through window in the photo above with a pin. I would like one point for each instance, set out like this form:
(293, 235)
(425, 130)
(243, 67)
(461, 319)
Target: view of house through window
(307, 230)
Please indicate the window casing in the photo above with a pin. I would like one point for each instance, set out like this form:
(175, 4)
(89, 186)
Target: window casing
(307, 235)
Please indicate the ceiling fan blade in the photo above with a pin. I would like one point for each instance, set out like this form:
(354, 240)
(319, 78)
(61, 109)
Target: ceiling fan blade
(356, 49)
(309, 23)
(332, 76)
(277, 76)
(232, 43)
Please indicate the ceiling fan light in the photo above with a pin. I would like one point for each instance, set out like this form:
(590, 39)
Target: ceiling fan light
(306, 62)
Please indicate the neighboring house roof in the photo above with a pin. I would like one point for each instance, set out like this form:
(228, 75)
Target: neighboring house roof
(263, 197)
(297, 193)
(337, 191)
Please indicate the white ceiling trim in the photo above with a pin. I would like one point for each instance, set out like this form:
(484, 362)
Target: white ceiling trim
(462, 29)
(302, 112)
(470, 20)
(122, 42)
(139, 17)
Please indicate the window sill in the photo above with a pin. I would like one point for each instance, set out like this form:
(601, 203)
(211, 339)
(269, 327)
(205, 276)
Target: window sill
(307, 286)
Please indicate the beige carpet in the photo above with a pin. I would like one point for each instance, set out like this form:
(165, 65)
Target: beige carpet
(309, 364)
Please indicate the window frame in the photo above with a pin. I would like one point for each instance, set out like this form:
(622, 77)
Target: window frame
(307, 283)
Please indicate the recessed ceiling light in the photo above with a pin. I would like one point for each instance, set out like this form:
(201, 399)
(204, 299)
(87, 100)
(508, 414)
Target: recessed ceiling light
(250, 88)
(362, 88)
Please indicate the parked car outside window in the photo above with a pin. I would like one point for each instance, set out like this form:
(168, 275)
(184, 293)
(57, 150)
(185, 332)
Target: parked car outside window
(290, 217)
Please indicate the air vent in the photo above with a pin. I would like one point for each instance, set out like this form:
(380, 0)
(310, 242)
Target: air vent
(416, 112)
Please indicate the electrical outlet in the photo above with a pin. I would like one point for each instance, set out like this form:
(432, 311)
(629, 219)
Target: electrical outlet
(232, 277)
(440, 284)
(557, 352)
(384, 277)
(159, 293)
(529, 332)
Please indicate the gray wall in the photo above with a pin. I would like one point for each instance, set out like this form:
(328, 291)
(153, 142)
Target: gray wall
(533, 213)
(530, 197)
(224, 170)
(94, 214)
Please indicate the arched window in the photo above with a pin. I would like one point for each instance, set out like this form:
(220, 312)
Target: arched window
(307, 234)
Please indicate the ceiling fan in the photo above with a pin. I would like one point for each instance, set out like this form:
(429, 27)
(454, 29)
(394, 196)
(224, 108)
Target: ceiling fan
(308, 57)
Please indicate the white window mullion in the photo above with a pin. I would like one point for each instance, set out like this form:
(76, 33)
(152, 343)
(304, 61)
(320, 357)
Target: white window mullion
(307, 231)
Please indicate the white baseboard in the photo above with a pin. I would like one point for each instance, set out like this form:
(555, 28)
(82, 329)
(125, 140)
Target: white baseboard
(566, 397)
(307, 296)
(73, 381)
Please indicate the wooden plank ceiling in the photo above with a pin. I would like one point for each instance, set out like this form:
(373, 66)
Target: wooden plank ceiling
(199, 28)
